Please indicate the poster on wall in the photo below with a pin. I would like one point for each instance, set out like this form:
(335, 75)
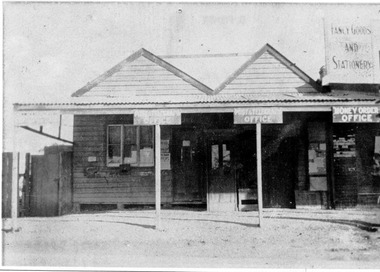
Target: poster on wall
(164, 146)
(147, 157)
(349, 51)
(165, 161)
(317, 158)
(318, 183)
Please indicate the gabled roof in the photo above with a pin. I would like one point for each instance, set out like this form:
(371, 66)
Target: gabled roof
(268, 71)
(143, 73)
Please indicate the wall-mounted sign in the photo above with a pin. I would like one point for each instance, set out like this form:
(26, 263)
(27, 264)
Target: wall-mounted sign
(157, 117)
(349, 51)
(356, 114)
(257, 115)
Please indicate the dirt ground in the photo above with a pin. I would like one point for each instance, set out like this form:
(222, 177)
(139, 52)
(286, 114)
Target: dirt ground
(196, 239)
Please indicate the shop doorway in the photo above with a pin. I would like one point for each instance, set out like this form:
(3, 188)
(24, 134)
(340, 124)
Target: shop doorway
(222, 194)
(246, 170)
(279, 167)
(189, 184)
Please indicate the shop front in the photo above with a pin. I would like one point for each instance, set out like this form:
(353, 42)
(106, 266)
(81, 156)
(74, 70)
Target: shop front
(356, 132)
(146, 133)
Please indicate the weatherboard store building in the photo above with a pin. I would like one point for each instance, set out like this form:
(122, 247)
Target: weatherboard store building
(146, 132)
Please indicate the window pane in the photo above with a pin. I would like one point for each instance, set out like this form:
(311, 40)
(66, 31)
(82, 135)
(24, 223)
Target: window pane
(114, 134)
(226, 155)
(146, 137)
(114, 145)
(130, 134)
(130, 145)
(114, 155)
(215, 156)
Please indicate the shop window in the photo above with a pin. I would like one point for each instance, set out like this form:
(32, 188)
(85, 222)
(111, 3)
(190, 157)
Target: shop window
(128, 144)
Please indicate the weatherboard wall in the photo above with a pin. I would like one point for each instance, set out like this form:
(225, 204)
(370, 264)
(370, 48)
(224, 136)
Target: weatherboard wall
(95, 183)
(142, 77)
(266, 75)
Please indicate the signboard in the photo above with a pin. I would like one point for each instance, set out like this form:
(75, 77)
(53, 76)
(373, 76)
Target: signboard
(356, 114)
(257, 115)
(349, 52)
(157, 117)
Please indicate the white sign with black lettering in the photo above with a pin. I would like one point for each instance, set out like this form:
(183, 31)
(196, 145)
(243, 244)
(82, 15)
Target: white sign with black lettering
(356, 114)
(349, 51)
(157, 117)
(257, 115)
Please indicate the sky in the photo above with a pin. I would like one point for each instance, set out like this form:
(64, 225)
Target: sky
(52, 49)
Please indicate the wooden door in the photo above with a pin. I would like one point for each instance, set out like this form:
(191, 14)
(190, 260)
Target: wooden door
(189, 182)
(279, 176)
(222, 195)
(44, 195)
(345, 166)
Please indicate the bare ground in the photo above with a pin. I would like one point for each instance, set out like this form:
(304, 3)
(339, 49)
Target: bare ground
(196, 239)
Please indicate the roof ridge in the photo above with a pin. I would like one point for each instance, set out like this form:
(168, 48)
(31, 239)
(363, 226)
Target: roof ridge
(206, 55)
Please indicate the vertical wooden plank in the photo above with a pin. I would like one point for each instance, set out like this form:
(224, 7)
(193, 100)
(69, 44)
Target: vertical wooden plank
(7, 185)
(259, 173)
(51, 183)
(14, 180)
(158, 174)
(66, 182)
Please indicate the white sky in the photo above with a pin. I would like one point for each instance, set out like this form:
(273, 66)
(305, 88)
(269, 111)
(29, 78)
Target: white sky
(53, 49)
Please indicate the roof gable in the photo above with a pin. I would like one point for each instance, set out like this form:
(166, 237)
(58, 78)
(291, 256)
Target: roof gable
(268, 71)
(143, 74)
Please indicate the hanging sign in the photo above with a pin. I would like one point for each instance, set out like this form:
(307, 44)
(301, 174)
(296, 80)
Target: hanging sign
(257, 115)
(356, 114)
(349, 51)
(157, 117)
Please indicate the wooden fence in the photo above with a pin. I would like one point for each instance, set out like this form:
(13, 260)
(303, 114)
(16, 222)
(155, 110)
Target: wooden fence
(45, 186)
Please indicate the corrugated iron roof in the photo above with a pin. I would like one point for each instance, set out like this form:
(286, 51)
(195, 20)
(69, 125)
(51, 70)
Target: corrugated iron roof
(212, 99)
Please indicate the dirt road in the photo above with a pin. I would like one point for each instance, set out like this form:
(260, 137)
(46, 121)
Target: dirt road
(194, 239)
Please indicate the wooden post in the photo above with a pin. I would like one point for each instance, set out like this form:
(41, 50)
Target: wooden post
(15, 177)
(60, 184)
(60, 126)
(158, 174)
(26, 185)
(259, 173)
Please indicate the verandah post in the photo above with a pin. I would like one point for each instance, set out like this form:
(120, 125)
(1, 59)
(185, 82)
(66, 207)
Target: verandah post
(158, 174)
(259, 173)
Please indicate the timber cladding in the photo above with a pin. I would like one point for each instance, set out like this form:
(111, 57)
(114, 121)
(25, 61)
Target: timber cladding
(95, 183)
